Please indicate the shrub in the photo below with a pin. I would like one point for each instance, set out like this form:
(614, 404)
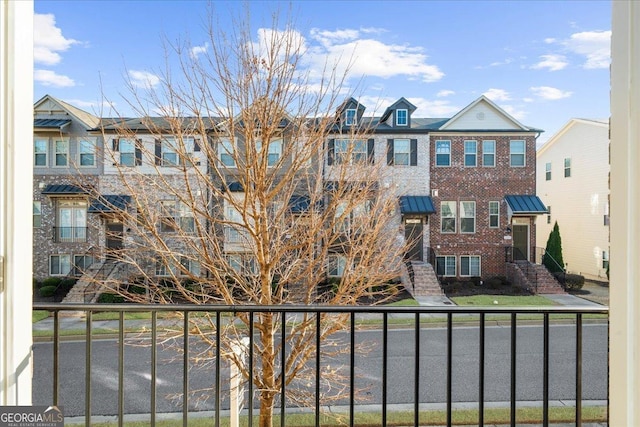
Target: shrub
(51, 281)
(496, 282)
(574, 282)
(552, 258)
(135, 289)
(67, 284)
(109, 298)
(36, 283)
(47, 291)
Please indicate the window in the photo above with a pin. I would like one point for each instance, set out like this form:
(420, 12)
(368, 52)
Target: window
(548, 214)
(127, 150)
(605, 260)
(357, 150)
(72, 221)
(189, 267)
(233, 232)
(169, 153)
(337, 266)
(347, 222)
(225, 149)
(59, 265)
(467, 217)
(176, 215)
(40, 152)
(242, 264)
(401, 151)
(351, 117)
(81, 263)
(488, 153)
(61, 153)
(37, 214)
(494, 214)
(448, 217)
(567, 167)
(87, 152)
(443, 153)
(446, 265)
(470, 265)
(162, 269)
(274, 153)
(547, 171)
(402, 118)
(517, 157)
(470, 153)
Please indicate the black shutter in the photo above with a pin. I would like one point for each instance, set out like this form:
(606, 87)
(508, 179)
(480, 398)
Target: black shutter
(196, 145)
(370, 153)
(390, 152)
(158, 152)
(413, 161)
(115, 144)
(331, 151)
(138, 152)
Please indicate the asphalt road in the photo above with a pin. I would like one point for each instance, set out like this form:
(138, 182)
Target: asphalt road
(368, 369)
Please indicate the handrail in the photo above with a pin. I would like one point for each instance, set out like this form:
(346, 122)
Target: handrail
(99, 275)
(562, 277)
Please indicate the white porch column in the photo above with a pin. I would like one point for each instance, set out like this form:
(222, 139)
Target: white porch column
(624, 359)
(16, 172)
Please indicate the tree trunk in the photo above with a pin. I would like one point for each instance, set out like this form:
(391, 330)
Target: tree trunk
(268, 374)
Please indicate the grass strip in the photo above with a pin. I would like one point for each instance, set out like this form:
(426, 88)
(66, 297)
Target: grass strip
(528, 415)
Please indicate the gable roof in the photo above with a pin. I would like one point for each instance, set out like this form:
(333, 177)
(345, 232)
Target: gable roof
(88, 120)
(508, 122)
(601, 123)
(395, 105)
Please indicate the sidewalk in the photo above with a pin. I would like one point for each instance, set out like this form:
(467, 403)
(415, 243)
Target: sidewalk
(79, 323)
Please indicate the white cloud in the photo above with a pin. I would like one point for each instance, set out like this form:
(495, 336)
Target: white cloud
(514, 111)
(497, 94)
(550, 93)
(438, 108)
(444, 93)
(48, 40)
(594, 45)
(199, 50)
(551, 62)
(347, 49)
(93, 106)
(143, 79)
(50, 78)
(527, 99)
(549, 40)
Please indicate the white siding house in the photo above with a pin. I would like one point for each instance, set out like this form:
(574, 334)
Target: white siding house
(573, 179)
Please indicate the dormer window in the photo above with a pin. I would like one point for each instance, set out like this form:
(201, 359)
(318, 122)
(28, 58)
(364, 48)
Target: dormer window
(351, 117)
(402, 117)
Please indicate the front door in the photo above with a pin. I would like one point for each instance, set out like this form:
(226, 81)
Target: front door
(520, 242)
(413, 237)
(114, 238)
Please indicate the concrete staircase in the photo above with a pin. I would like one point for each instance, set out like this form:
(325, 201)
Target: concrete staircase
(86, 289)
(534, 277)
(420, 280)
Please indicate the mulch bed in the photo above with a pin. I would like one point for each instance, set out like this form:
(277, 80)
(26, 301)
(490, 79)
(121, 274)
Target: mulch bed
(465, 289)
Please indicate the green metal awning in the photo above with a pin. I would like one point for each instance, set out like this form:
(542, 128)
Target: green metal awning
(422, 205)
(525, 205)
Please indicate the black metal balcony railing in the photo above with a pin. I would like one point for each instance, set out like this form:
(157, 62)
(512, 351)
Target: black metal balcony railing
(519, 352)
(70, 234)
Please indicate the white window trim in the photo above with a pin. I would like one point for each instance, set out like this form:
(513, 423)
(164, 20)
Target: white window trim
(406, 117)
(436, 153)
(496, 203)
(396, 152)
(39, 214)
(92, 142)
(547, 171)
(350, 147)
(475, 214)
(454, 216)
(351, 121)
(179, 210)
(120, 152)
(469, 273)
(567, 168)
(55, 153)
(523, 154)
(225, 147)
(455, 265)
(46, 152)
(341, 261)
(492, 153)
(474, 153)
(169, 146)
(60, 273)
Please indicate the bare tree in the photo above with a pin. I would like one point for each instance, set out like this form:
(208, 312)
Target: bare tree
(233, 197)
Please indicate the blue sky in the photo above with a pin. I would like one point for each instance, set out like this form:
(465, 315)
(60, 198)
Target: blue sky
(544, 62)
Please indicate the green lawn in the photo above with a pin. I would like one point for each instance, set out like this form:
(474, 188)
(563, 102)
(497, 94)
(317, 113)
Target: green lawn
(405, 418)
(503, 301)
(38, 315)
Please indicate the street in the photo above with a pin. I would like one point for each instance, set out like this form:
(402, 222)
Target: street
(368, 368)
